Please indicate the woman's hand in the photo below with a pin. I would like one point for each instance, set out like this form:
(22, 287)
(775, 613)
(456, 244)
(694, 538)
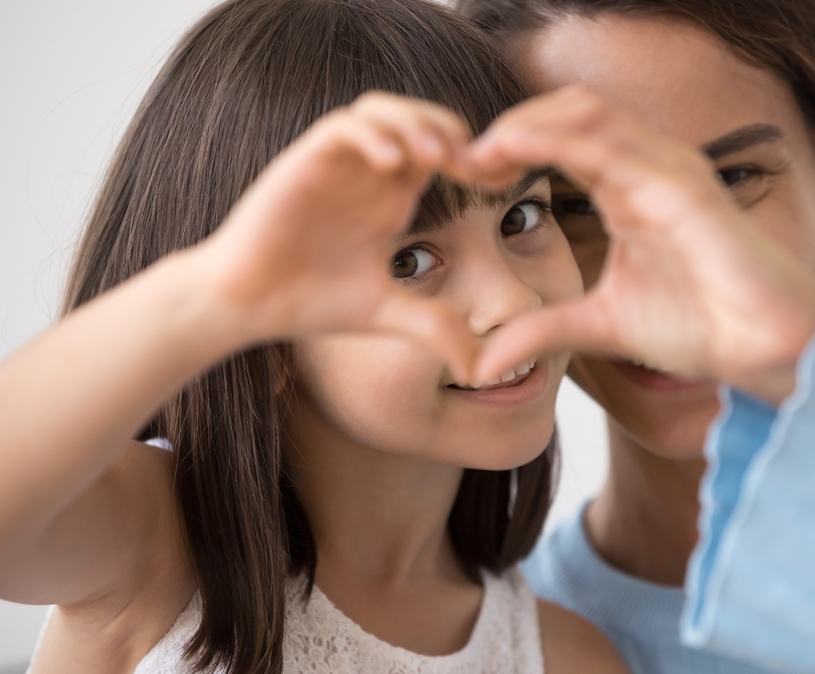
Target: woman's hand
(307, 248)
(690, 285)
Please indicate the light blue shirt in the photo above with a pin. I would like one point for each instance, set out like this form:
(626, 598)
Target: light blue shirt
(751, 580)
(750, 590)
(640, 618)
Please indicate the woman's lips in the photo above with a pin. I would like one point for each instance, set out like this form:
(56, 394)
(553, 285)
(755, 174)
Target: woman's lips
(654, 380)
(520, 390)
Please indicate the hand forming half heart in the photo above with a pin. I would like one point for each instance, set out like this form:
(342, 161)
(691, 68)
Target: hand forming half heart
(690, 284)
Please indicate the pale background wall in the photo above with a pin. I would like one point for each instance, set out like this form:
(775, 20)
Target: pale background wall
(71, 74)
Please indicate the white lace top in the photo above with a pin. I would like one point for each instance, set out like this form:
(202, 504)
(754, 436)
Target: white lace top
(322, 640)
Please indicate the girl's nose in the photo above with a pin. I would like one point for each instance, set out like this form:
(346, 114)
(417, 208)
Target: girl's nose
(497, 295)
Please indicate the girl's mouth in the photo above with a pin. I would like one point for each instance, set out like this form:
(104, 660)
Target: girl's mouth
(510, 378)
(524, 383)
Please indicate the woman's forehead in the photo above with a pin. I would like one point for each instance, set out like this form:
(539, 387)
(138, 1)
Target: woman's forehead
(676, 77)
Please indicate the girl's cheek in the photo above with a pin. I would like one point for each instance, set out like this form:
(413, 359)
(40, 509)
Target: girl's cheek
(555, 275)
(367, 377)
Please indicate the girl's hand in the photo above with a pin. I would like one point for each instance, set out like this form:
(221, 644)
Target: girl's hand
(690, 285)
(307, 248)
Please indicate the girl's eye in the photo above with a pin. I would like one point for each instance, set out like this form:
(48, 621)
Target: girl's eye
(521, 218)
(412, 262)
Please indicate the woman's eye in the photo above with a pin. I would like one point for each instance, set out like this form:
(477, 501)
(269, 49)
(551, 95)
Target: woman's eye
(521, 218)
(573, 205)
(412, 262)
(735, 176)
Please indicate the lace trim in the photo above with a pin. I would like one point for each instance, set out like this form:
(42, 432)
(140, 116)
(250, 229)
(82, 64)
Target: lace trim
(320, 639)
(505, 639)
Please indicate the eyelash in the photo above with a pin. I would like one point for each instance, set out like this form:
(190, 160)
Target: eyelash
(544, 206)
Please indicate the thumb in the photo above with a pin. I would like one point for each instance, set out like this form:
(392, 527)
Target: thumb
(579, 325)
(434, 324)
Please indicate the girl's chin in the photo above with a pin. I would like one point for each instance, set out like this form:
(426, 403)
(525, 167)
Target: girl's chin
(506, 459)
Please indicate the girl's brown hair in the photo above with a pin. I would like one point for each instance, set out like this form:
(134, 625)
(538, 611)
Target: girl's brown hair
(245, 82)
(775, 34)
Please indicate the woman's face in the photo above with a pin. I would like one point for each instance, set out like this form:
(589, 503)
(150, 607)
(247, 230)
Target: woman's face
(684, 82)
(386, 393)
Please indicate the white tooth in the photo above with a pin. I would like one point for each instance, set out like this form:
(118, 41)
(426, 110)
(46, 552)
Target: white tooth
(493, 382)
(509, 375)
(523, 369)
(532, 362)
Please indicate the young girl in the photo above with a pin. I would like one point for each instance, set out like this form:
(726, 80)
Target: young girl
(194, 472)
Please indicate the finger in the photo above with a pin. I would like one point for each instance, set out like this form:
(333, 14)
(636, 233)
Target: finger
(435, 325)
(378, 148)
(597, 165)
(581, 325)
(583, 156)
(434, 136)
(445, 122)
(575, 109)
(570, 107)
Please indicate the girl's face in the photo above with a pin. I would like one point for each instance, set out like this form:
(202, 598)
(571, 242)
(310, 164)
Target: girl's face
(683, 82)
(491, 264)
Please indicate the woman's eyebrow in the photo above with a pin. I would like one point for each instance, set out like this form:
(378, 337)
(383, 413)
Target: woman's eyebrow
(742, 139)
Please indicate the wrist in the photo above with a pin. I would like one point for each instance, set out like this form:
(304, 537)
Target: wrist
(205, 324)
(772, 386)
(785, 336)
(776, 381)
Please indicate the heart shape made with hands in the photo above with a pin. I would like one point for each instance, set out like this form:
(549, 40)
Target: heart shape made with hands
(690, 285)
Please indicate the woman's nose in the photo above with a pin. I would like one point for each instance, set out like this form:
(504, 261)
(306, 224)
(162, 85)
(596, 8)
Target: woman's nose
(496, 295)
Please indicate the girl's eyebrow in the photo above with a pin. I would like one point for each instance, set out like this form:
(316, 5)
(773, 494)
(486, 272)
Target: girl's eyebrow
(478, 198)
(514, 192)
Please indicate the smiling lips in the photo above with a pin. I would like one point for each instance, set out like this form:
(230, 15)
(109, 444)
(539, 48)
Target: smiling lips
(524, 384)
(509, 378)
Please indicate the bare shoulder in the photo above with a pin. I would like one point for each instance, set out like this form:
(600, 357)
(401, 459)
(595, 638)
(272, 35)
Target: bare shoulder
(572, 644)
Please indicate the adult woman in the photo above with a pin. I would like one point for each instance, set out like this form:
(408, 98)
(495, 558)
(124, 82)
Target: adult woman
(738, 81)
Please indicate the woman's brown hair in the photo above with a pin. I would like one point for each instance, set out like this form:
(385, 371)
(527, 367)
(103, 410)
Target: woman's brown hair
(775, 34)
(245, 82)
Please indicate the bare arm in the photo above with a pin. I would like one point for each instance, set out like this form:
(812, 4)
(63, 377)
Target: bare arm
(70, 402)
(73, 521)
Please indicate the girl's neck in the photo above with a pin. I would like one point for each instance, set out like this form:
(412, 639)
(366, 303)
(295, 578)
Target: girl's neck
(379, 522)
(381, 516)
(644, 520)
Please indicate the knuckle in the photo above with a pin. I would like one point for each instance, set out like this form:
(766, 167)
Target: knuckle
(371, 100)
(584, 97)
(589, 105)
